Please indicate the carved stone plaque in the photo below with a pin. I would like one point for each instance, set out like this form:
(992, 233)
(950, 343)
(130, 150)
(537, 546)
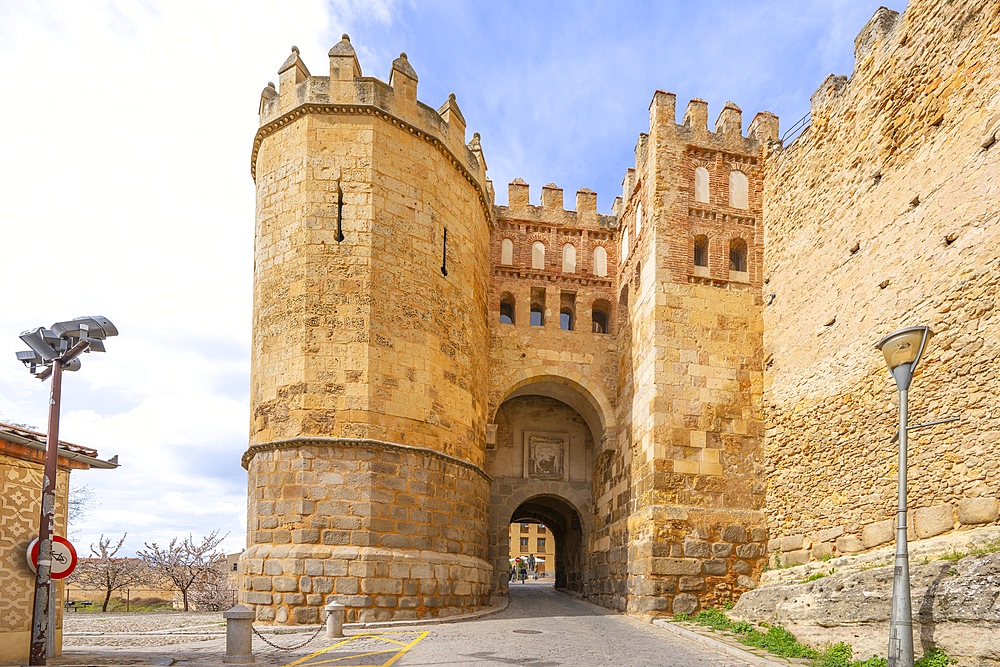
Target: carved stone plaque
(546, 455)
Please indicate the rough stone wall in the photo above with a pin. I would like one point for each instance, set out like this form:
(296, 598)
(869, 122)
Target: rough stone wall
(369, 320)
(883, 214)
(696, 372)
(21, 490)
(395, 534)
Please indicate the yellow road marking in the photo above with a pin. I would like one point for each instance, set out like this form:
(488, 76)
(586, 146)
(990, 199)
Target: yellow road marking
(381, 636)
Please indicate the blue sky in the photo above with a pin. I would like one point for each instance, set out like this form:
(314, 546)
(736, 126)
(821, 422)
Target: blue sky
(126, 185)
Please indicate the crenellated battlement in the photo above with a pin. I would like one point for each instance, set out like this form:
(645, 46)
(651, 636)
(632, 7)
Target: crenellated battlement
(346, 92)
(552, 210)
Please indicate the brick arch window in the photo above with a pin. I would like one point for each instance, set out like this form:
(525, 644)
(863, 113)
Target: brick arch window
(600, 261)
(507, 308)
(569, 258)
(738, 255)
(600, 316)
(738, 187)
(506, 252)
(701, 250)
(538, 255)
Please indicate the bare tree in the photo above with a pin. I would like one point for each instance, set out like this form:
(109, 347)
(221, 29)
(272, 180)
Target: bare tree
(80, 503)
(106, 572)
(214, 590)
(183, 562)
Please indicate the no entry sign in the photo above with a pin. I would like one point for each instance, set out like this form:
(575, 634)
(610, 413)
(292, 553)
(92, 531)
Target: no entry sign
(64, 558)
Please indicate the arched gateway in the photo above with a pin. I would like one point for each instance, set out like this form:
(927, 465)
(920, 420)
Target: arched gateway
(548, 428)
(414, 389)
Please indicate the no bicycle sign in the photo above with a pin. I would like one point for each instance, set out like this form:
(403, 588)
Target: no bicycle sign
(63, 557)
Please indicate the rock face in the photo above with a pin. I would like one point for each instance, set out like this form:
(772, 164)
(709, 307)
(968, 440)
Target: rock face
(956, 607)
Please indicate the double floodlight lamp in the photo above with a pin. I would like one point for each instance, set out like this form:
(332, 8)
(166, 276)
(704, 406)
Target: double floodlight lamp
(48, 345)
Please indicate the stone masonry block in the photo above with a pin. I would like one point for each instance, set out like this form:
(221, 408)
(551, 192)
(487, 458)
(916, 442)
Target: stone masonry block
(747, 550)
(714, 567)
(734, 534)
(791, 543)
(722, 550)
(691, 584)
(793, 558)
(829, 534)
(848, 544)
(685, 603)
(675, 566)
(821, 550)
(978, 510)
(286, 584)
(745, 582)
(931, 521)
(878, 533)
(696, 549)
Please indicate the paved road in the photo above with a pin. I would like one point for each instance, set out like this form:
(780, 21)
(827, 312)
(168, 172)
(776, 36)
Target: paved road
(540, 628)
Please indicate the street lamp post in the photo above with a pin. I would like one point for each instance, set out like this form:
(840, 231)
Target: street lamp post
(53, 351)
(902, 350)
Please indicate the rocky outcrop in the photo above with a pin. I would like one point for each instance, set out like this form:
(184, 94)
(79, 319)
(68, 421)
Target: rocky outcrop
(956, 605)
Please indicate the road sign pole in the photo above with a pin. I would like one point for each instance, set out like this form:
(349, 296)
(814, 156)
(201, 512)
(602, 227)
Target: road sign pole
(40, 626)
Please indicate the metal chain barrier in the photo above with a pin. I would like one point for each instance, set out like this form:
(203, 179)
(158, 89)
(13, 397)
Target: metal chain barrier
(290, 648)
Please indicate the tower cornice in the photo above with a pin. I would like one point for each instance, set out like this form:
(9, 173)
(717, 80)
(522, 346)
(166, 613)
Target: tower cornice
(327, 109)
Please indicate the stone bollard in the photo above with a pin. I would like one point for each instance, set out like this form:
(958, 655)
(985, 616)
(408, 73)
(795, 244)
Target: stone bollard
(239, 635)
(334, 620)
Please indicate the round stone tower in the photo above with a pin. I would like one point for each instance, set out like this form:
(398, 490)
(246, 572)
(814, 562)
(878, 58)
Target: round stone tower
(369, 360)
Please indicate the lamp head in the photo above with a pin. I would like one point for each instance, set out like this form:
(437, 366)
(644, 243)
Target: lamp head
(902, 350)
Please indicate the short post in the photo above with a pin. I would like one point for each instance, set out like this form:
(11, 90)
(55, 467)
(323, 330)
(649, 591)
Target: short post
(334, 620)
(239, 635)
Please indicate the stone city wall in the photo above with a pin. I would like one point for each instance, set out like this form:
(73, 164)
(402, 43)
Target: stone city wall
(883, 214)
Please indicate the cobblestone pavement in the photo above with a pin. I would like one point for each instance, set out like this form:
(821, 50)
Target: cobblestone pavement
(540, 628)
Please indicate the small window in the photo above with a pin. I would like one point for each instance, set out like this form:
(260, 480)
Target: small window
(599, 316)
(737, 189)
(537, 318)
(599, 322)
(541, 529)
(507, 309)
(525, 527)
(638, 219)
(569, 258)
(566, 320)
(506, 252)
(567, 311)
(625, 244)
(538, 255)
(701, 185)
(738, 255)
(541, 543)
(600, 261)
(701, 250)
(236, 567)
(524, 544)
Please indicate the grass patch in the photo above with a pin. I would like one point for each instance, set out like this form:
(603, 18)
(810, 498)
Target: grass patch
(779, 641)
